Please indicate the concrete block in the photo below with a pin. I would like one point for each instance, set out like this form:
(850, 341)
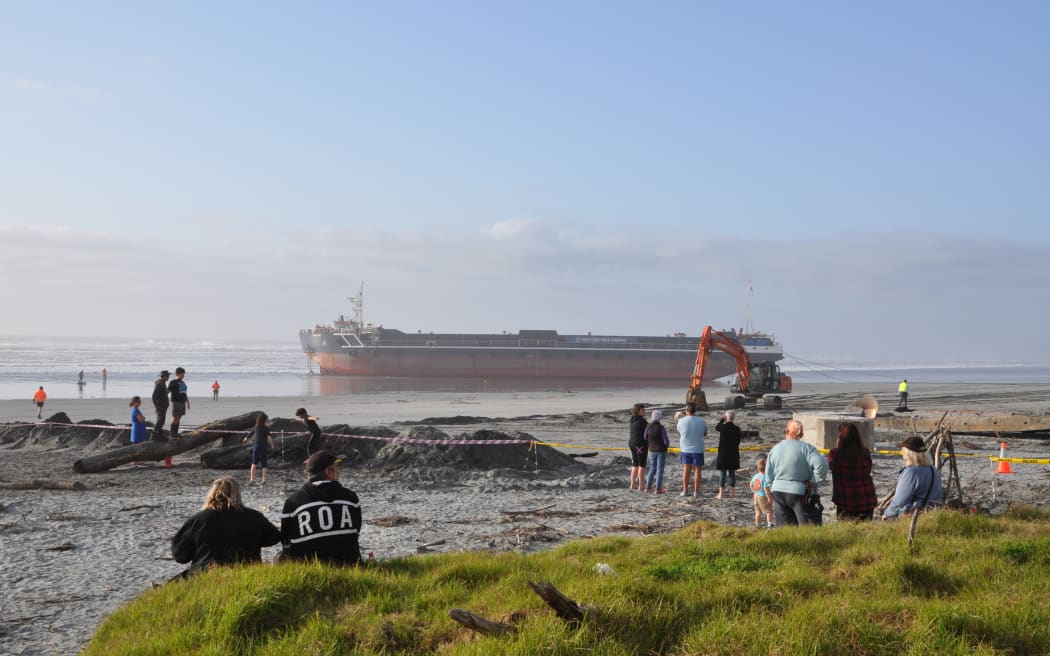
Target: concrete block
(822, 429)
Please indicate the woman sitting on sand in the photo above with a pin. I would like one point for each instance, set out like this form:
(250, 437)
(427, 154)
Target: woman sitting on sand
(638, 446)
(919, 483)
(852, 489)
(223, 532)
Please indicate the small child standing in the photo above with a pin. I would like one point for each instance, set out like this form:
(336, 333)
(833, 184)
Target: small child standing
(762, 502)
(260, 448)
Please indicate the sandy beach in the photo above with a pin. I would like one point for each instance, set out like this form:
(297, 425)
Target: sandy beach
(71, 557)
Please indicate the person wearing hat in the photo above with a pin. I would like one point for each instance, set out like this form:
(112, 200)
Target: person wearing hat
(323, 518)
(311, 425)
(160, 404)
(919, 482)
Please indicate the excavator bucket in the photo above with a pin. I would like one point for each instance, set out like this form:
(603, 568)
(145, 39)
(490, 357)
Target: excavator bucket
(697, 397)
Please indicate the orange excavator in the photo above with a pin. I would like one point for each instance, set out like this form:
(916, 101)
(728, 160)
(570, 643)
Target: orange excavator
(754, 381)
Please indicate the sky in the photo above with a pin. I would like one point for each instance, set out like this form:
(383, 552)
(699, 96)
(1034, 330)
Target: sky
(871, 180)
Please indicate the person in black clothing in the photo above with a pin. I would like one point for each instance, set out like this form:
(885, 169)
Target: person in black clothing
(223, 532)
(180, 400)
(160, 404)
(728, 459)
(323, 518)
(311, 425)
(638, 447)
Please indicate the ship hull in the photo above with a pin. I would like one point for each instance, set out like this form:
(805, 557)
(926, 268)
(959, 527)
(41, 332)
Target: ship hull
(338, 354)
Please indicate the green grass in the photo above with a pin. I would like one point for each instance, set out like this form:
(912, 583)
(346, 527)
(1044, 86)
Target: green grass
(973, 585)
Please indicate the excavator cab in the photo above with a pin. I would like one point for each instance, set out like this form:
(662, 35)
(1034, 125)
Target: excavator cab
(764, 382)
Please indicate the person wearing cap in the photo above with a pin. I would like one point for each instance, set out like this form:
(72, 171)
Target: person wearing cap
(919, 482)
(792, 468)
(160, 404)
(311, 425)
(323, 518)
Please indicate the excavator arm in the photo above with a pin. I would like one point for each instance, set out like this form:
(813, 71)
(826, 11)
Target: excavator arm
(713, 339)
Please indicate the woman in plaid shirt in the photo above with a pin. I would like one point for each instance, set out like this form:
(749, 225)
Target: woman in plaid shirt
(853, 491)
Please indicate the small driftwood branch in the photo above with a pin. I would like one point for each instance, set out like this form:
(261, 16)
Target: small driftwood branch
(43, 484)
(911, 529)
(527, 512)
(480, 624)
(565, 608)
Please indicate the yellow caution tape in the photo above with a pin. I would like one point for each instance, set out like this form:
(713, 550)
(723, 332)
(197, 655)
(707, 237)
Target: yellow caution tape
(1021, 461)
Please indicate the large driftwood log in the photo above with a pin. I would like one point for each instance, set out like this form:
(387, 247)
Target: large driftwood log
(565, 608)
(480, 624)
(43, 484)
(154, 451)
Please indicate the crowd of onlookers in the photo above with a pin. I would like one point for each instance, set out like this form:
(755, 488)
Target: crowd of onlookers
(785, 487)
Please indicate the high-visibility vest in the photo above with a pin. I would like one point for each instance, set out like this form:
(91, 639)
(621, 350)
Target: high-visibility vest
(903, 387)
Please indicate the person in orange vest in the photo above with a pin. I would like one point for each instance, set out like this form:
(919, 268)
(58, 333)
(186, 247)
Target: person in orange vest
(39, 397)
(215, 391)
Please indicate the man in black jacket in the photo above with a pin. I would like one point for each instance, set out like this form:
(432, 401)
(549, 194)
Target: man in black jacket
(160, 404)
(323, 518)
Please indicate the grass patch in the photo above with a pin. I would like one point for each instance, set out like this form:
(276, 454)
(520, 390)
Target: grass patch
(974, 585)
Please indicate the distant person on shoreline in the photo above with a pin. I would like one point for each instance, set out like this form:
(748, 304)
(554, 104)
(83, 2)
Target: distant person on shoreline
(39, 397)
(638, 447)
(104, 374)
(322, 520)
(138, 421)
(728, 459)
(160, 404)
(656, 438)
(224, 532)
(260, 447)
(692, 430)
(215, 391)
(314, 442)
(902, 389)
(180, 400)
(80, 378)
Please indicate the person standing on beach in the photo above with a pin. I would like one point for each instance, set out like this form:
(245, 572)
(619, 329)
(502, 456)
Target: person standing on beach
(160, 404)
(322, 520)
(728, 459)
(180, 400)
(792, 467)
(39, 397)
(260, 447)
(902, 389)
(138, 421)
(315, 431)
(656, 437)
(215, 391)
(692, 430)
(852, 488)
(638, 447)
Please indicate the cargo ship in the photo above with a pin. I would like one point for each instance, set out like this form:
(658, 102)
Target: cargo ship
(350, 347)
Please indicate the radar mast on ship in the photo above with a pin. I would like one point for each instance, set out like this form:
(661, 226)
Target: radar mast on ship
(357, 324)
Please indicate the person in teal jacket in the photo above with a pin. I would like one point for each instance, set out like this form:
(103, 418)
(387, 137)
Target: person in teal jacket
(793, 466)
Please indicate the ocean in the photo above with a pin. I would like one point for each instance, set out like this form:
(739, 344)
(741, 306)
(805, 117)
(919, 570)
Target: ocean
(247, 368)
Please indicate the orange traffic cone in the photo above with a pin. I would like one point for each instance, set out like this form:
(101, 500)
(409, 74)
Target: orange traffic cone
(167, 463)
(1004, 467)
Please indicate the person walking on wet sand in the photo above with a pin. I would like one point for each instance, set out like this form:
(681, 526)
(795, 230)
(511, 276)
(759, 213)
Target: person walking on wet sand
(638, 447)
(160, 404)
(902, 389)
(39, 397)
(180, 400)
(215, 391)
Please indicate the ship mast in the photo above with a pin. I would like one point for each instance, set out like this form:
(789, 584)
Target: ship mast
(359, 311)
(749, 326)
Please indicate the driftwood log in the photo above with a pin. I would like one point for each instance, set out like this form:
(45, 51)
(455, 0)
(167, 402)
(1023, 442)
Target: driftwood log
(480, 624)
(43, 484)
(565, 608)
(154, 451)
